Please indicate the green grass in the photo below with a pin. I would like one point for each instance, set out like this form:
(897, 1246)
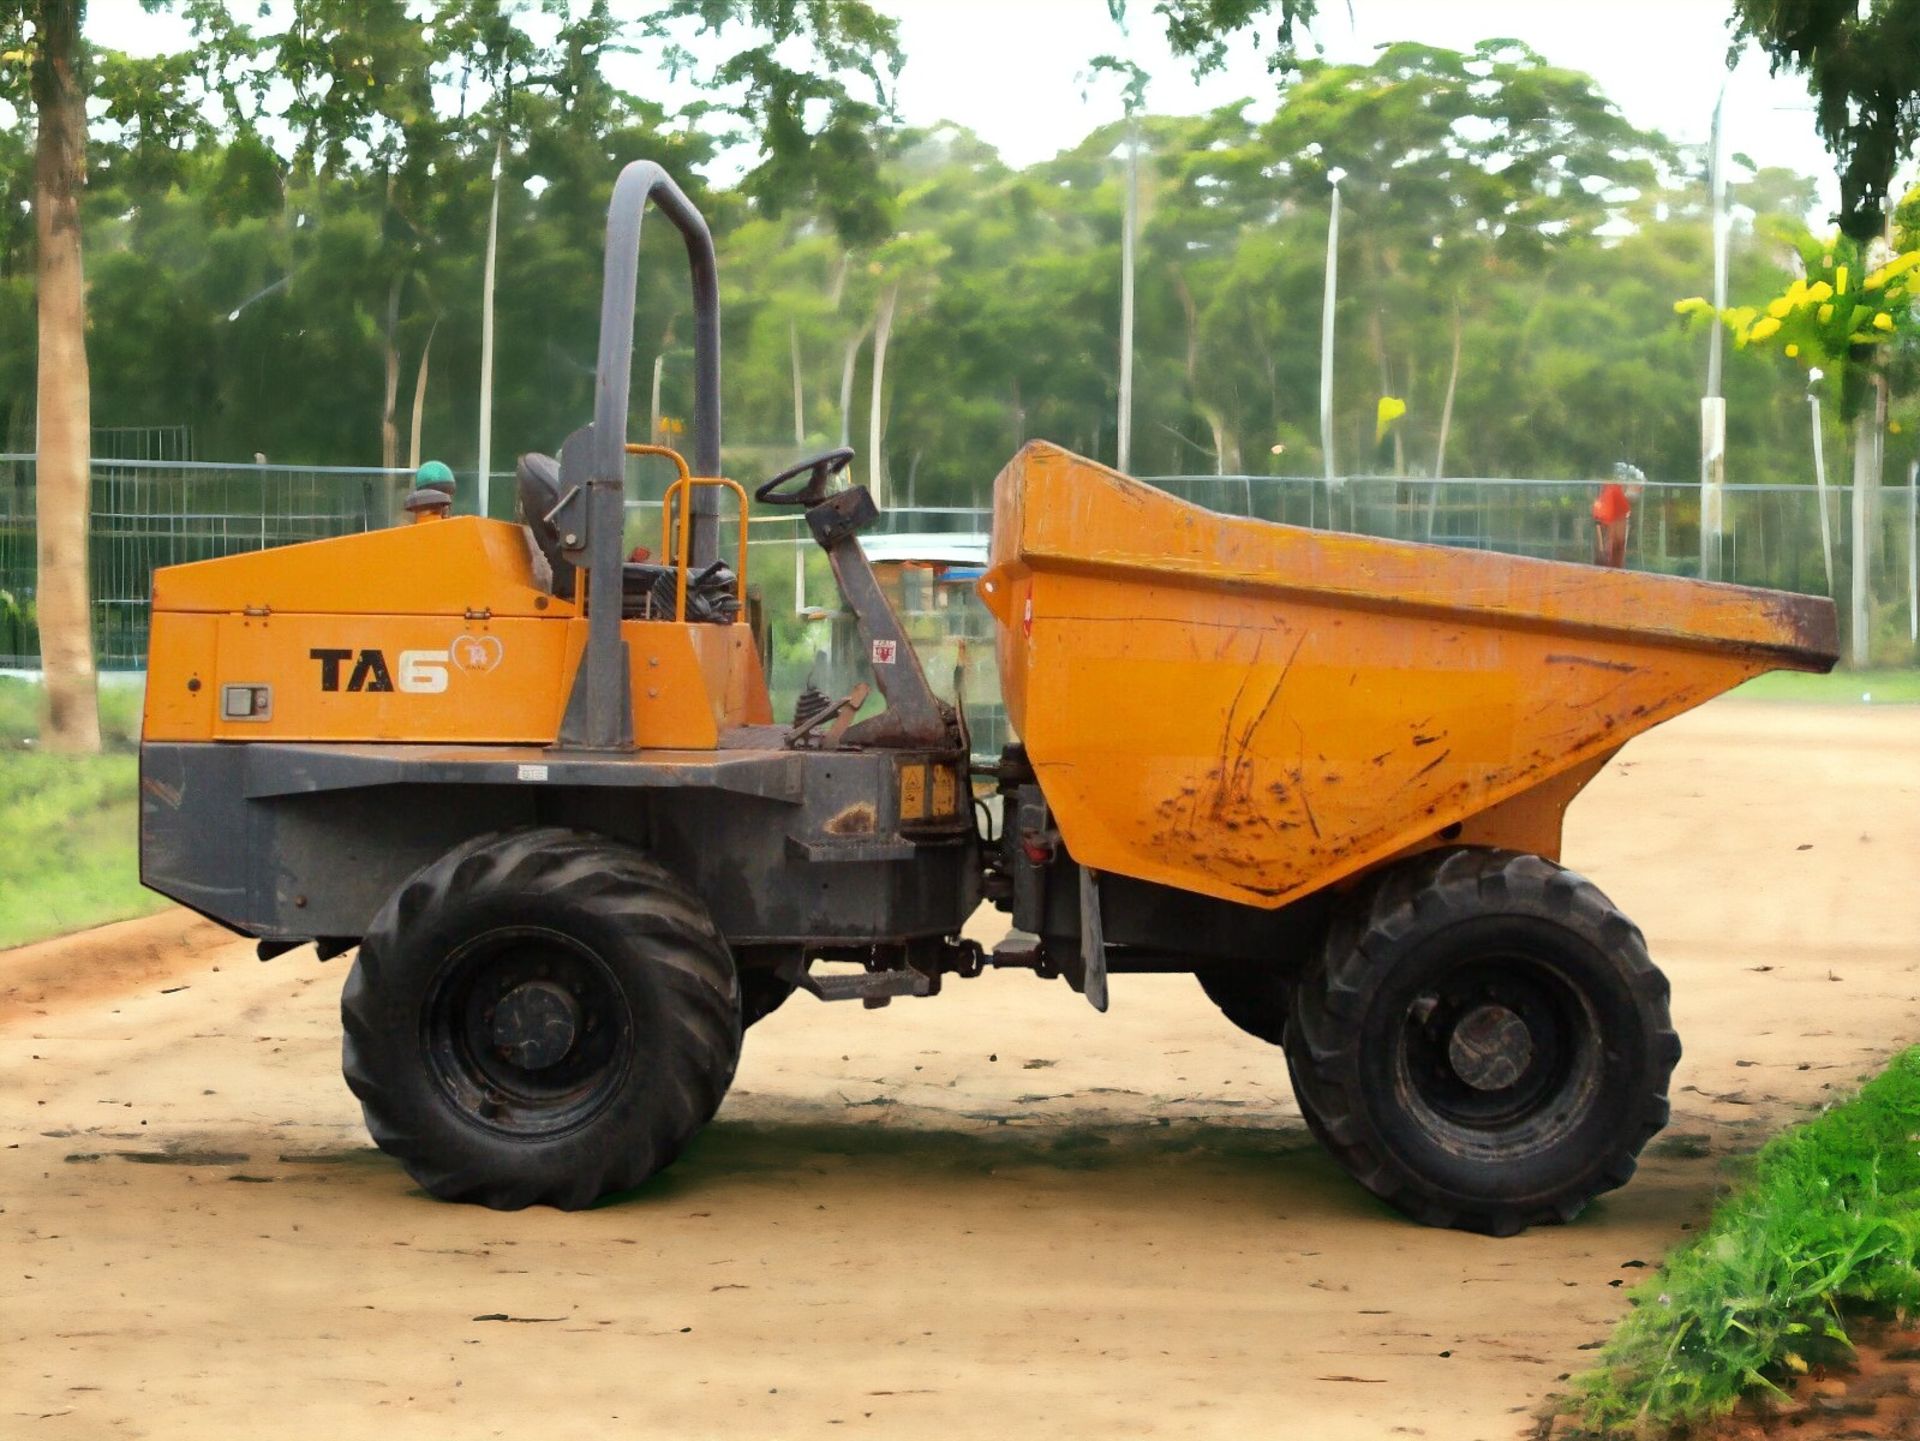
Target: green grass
(1826, 1229)
(69, 842)
(1887, 687)
(69, 854)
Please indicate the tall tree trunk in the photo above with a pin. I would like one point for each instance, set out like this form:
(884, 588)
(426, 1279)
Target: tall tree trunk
(1446, 408)
(1207, 412)
(848, 360)
(654, 437)
(71, 722)
(1222, 441)
(799, 396)
(876, 416)
(1377, 332)
(390, 395)
(420, 406)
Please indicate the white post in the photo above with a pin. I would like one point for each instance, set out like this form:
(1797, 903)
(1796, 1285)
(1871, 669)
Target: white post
(1859, 642)
(486, 325)
(1124, 449)
(1820, 485)
(1334, 177)
(1713, 475)
(1713, 409)
(1913, 551)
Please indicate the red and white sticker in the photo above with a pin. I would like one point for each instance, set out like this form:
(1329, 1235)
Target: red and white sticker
(1026, 618)
(884, 651)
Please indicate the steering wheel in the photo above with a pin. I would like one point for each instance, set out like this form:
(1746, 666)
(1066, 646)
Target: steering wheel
(818, 470)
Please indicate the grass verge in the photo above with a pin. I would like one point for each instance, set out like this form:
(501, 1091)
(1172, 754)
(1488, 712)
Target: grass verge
(1841, 687)
(1827, 1227)
(69, 855)
(69, 825)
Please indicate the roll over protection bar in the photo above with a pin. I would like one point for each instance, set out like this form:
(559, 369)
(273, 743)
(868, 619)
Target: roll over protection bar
(591, 515)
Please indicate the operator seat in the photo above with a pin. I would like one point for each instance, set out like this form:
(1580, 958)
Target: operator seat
(646, 589)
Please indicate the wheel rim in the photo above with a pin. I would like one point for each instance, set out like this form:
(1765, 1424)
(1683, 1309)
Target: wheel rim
(527, 1032)
(1498, 1054)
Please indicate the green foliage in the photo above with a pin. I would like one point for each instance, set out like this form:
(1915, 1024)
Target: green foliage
(280, 297)
(20, 702)
(1826, 1228)
(1858, 58)
(1200, 30)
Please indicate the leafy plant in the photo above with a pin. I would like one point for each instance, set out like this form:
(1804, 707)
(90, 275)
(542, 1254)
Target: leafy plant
(1850, 300)
(1826, 1229)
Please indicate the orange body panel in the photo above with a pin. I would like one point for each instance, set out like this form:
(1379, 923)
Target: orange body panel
(1255, 711)
(441, 568)
(432, 634)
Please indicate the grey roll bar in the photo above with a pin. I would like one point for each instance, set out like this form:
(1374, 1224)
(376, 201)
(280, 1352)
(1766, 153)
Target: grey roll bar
(591, 516)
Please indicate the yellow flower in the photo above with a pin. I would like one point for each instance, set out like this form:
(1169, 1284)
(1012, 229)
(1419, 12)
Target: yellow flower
(1899, 265)
(1779, 309)
(1883, 321)
(1826, 314)
(1692, 305)
(1894, 426)
(1819, 290)
(1840, 280)
(1763, 329)
(1793, 352)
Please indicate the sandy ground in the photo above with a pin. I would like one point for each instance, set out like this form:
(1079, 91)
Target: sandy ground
(997, 1215)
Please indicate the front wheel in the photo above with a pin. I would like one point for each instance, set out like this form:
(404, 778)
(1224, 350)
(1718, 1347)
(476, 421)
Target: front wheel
(541, 1016)
(1483, 1043)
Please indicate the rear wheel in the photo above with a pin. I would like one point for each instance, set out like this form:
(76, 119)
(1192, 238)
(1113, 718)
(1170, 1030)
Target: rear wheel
(539, 1017)
(1484, 1042)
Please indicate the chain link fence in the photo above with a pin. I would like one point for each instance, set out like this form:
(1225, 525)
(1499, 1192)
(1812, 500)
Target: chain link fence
(149, 513)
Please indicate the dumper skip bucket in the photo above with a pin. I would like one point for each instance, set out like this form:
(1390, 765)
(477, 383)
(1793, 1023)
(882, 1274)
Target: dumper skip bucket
(1254, 711)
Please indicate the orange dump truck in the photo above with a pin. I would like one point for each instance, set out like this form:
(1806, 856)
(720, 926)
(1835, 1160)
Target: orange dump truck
(540, 788)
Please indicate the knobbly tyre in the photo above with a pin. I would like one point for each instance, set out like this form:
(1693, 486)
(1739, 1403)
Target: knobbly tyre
(542, 791)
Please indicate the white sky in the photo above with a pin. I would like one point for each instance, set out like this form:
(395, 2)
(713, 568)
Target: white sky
(1012, 70)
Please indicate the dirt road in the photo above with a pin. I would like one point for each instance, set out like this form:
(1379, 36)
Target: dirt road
(996, 1215)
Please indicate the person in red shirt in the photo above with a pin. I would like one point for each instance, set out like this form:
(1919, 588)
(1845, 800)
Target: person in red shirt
(1611, 513)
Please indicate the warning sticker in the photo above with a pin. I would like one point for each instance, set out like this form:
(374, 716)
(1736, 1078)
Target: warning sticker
(884, 650)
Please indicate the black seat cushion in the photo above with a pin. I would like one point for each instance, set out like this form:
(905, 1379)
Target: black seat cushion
(537, 480)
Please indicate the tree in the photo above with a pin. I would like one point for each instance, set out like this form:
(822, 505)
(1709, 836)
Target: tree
(1199, 30)
(1859, 63)
(59, 96)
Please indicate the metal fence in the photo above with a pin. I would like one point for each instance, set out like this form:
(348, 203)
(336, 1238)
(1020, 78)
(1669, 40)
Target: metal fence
(152, 513)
